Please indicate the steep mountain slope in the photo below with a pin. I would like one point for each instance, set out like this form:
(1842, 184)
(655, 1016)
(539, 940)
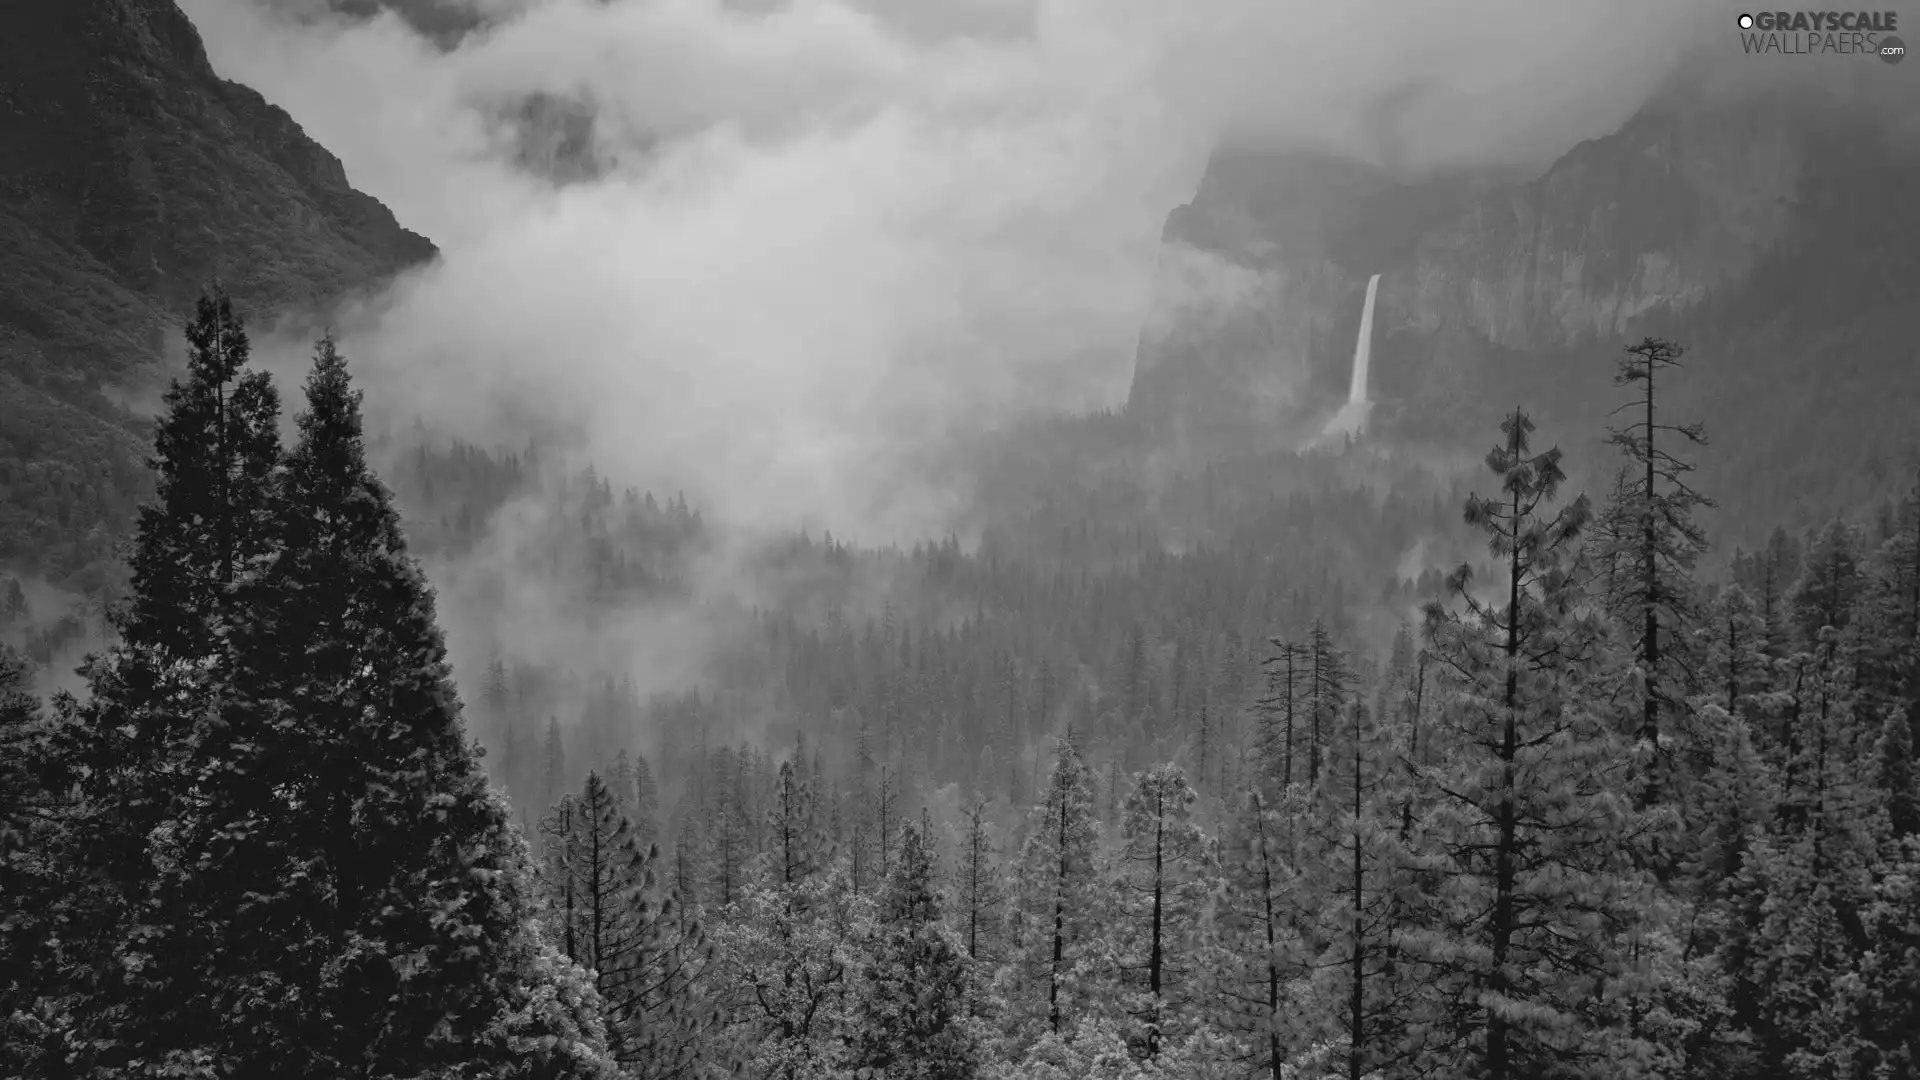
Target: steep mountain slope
(1768, 233)
(130, 175)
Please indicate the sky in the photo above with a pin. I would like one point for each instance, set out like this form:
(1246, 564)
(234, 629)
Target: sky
(835, 232)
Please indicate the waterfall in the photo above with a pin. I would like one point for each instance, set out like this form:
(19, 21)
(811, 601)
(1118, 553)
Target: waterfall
(1357, 395)
(1352, 417)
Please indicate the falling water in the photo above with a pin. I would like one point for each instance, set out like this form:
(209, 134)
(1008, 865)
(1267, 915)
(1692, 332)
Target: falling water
(1357, 395)
(1352, 417)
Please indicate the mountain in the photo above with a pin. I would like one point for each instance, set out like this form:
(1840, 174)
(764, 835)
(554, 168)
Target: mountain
(130, 175)
(1770, 233)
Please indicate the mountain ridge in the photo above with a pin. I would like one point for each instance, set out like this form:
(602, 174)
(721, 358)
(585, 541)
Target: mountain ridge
(131, 175)
(1699, 218)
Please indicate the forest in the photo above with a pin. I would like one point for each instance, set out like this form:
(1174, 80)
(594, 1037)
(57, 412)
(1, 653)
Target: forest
(1205, 785)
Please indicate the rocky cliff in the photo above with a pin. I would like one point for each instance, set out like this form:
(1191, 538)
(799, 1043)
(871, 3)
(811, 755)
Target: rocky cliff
(1768, 233)
(130, 175)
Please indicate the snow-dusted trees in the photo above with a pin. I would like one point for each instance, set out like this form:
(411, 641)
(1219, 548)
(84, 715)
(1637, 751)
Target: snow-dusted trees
(1368, 898)
(1165, 865)
(1530, 798)
(606, 904)
(1261, 960)
(1062, 902)
(908, 1024)
(1651, 535)
(314, 876)
(979, 894)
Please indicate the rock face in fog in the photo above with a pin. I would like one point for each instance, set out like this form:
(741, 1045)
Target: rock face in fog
(1658, 214)
(1676, 206)
(131, 173)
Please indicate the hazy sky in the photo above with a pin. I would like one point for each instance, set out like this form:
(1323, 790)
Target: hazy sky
(849, 233)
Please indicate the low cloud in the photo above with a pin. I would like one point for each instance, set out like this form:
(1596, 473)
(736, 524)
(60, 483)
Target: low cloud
(828, 236)
(831, 231)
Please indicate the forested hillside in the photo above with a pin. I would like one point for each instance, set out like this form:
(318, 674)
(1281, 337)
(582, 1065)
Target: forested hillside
(131, 174)
(1202, 777)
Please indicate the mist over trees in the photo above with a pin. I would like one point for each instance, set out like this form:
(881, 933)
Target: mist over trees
(1083, 799)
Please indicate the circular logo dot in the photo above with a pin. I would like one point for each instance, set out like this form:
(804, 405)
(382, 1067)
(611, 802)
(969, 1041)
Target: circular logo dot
(1892, 49)
(1746, 22)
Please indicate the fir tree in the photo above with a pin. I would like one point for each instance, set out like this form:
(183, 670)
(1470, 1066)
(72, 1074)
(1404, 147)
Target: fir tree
(1657, 533)
(1060, 901)
(1368, 896)
(1530, 808)
(1326, 690)
(980, 895)
(1264, 957)
(646, 801)
(355, 893)
(135, 940)
(910, 1017)
(553, 767)
(648, 959)
(215, 452)
(1163, 868)
(33, 876)
(1278, 723)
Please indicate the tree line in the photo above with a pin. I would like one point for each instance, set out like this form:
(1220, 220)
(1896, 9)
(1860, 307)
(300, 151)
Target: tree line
(1591, 816)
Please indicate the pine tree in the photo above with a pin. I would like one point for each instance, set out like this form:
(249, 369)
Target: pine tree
(1278, 723)
(1662, 542)
(560, 855)
(646, 801)
(134, 940)
(1326, 689)
(979, 895)
(132, 741)
(1528, 794)
(1060, 902)
(1164, 869)
(915, 987)
(799, 834)
(1265, 960)
(215, 452)
(648, 959)
(33, 878)
(353, 895)
(1368, 896)
(553, 776)
(24, 795)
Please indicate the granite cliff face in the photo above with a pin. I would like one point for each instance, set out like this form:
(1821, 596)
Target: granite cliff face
(1660, 214)
(130, 175)
(1769, 234)
(128, 167)
(1677, 205)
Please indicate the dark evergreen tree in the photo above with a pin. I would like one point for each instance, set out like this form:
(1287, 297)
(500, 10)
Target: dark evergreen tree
(215, 452)
(1528, 797)
(1060, 902)
(139, 742)
(1278, 713)
(979, 892)
(1656, 532)
(915, 994)
(33, 874)
(1264, 958)
(1165, 864)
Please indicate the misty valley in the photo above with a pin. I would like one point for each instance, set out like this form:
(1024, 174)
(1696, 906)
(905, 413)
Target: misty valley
(955, 540)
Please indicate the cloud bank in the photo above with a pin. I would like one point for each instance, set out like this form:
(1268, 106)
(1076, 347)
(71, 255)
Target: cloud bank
(831, 232)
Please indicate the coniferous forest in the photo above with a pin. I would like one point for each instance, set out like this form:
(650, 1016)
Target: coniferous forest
(1074, 801)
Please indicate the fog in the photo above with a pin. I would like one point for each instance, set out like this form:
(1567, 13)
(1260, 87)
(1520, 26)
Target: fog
(823, 238)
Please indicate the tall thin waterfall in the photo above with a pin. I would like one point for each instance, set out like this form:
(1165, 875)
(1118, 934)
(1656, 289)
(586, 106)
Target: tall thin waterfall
(1352, 417)
(1357, 395)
